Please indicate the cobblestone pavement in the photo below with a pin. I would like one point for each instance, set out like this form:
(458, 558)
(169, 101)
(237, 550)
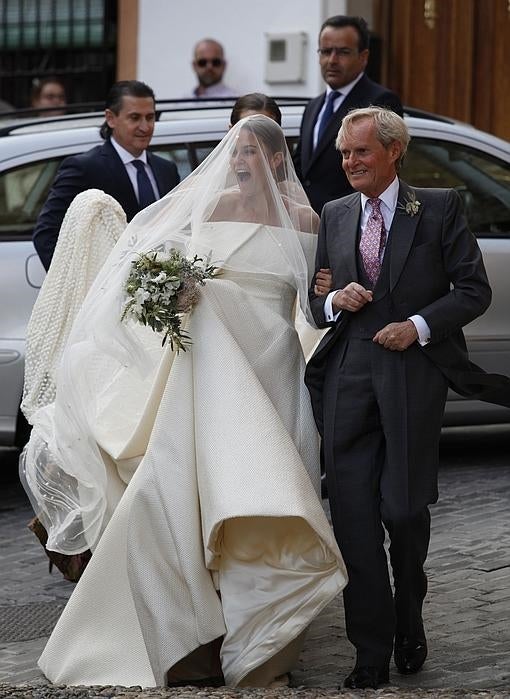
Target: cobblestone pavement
(467, 611)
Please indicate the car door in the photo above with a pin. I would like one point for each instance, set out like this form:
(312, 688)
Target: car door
(22, 192)
(483, 182)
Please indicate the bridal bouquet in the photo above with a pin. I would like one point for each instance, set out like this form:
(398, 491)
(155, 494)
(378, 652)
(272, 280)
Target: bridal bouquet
(160, 288)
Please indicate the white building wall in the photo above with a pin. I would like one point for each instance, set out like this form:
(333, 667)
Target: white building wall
(168, 30)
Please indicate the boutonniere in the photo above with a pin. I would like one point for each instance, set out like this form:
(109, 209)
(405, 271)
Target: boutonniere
(411, 205)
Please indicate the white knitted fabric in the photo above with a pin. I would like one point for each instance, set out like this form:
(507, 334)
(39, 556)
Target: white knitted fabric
(92, 225)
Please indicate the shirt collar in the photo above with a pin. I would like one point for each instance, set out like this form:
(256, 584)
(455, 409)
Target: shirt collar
(345, 89)
(125, 155)
(388, 197)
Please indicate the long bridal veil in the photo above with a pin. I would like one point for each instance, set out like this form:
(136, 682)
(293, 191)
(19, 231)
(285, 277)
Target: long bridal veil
(109, 368)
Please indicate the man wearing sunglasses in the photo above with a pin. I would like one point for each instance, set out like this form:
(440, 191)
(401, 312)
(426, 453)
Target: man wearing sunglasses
(209, 65)
(343, 56)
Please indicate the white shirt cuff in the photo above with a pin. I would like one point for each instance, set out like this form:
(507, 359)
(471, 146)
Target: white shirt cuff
(422, 329)
(419, 322)
(329, 313)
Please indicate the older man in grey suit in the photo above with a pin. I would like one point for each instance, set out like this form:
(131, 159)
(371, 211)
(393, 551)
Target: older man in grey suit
(407, 276)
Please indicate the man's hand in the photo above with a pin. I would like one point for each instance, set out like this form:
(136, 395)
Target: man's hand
(351, 298)
(397, 336)
(323, 282)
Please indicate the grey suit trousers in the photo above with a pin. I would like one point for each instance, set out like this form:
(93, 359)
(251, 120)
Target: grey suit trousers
(381, 436)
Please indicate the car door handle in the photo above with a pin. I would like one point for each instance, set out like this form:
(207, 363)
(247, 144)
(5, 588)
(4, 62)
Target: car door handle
(8, 356)
(34, 271)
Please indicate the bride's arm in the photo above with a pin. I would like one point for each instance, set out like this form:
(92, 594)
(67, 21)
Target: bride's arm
(308, 220)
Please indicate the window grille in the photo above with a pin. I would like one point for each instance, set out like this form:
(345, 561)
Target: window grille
(74, 40)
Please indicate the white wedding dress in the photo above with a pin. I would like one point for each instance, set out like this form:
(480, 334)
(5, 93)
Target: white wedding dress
(220, 532)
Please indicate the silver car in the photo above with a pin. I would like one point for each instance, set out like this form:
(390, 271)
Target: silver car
(442, 153)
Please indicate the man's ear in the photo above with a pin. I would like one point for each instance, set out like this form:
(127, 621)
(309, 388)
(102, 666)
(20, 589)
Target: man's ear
(110, 117)
(395, 150)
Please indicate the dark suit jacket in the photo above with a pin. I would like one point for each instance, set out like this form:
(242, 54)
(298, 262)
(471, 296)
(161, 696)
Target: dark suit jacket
(320, 170)
(98, 168)
(429, 251)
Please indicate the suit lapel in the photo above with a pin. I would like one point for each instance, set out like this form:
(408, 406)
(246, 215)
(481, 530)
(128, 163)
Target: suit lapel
(308, 127)
(329, 136)
(159, 175)
(402, 232)
(343, 248)
(347, 235)
(120, 179)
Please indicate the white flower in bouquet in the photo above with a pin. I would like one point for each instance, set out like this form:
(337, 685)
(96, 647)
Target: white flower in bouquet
(161, 288)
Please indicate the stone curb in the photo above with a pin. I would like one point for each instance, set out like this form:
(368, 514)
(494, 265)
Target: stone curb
(31, 691)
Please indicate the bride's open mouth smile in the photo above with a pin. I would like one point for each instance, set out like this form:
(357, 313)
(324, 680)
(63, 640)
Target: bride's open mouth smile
(243, 175)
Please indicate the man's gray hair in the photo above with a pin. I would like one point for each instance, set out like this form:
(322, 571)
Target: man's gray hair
(389, 127)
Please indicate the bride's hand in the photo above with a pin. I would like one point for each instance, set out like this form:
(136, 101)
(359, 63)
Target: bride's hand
(323, 282)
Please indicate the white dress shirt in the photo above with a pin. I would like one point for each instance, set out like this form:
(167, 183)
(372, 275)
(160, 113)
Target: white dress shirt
(344, 91)
(388, 206)
(127, 159)
(212, 91)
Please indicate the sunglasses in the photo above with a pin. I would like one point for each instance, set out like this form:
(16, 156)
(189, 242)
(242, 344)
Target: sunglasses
(215, 62)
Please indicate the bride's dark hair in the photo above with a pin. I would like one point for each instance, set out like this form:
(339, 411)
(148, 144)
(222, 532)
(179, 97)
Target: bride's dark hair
(256, 102)
(268, 132)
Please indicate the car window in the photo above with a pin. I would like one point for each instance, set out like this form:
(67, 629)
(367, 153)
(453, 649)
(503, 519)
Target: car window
(188, 157)
(292, 142)
(203, 150)
(482, 181)
(182, 155)
(23, 191)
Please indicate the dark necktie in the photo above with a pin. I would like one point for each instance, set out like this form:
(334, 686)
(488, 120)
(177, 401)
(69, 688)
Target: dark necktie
(327, 113)
(372, 241)
(145, 191)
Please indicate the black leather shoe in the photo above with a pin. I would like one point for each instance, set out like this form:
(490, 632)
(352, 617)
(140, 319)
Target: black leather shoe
(410, 654)
(365, 677)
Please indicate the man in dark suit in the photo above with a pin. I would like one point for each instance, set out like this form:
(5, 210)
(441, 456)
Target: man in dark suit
(343, 56)
(407, 276)
(122, 166)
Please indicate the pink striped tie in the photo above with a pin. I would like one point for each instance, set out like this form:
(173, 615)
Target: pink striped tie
(372, 241)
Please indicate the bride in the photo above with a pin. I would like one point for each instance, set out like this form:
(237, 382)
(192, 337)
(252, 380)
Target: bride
(193, 476)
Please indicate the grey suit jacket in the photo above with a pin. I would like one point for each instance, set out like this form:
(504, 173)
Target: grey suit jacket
(436, 271)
